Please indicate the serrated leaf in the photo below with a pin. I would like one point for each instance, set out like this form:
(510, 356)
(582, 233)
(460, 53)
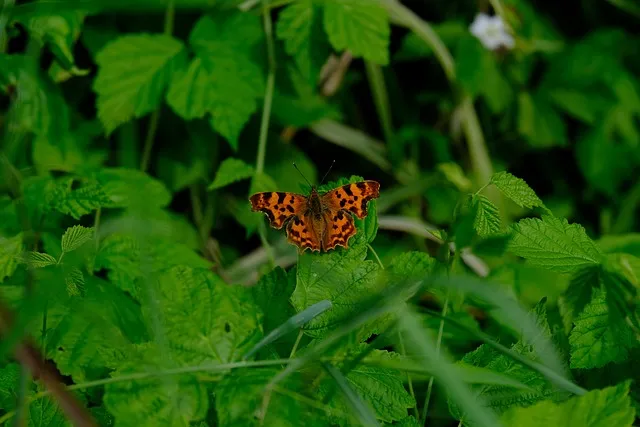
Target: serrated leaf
(203, 318)
(499, 397)
(382, 389)
(223, 79)
(555, 244)
(610, 406)
(578, 294)
(176, 400)
(516, 189)
(487, 220)
(79, 202)
(75, 237)
(9, 383)
(125, 88)
(46, 413)
(239, 397)
(74, 279)
(38, 259)
(131, 188)
(10, 249)
(598, 337)
(360, 26)
(231, 170)
(341, 276)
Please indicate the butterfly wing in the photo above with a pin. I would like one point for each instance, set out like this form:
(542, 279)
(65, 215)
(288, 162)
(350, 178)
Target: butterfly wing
(279, 206)
(352, 197)
(339, 229)
(304, 232)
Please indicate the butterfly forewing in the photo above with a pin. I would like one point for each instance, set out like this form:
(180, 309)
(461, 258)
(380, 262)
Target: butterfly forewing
(279, 206)
(352, 197)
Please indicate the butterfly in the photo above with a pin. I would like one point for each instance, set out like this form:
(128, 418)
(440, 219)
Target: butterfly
(319, 222)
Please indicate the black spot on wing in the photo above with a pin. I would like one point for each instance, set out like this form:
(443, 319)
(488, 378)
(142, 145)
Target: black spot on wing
(361, 186)
(347, 189)
(290, 208)
(281, 197)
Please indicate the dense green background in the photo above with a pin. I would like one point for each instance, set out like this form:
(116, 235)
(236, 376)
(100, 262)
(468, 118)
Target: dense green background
(495, 280)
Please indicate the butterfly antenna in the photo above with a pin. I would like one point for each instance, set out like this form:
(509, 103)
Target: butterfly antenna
(300, 172)
(325, 175)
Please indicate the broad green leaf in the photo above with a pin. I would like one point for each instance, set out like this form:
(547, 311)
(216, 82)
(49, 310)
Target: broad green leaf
(127, 188)
(539, 122)
(231, 170)
(75, 237)
(382, 389)
(610, 406)
(46, 412)
(578, 294)
(10, 249)
(176, 400)
(74, 279)
(487, 220)
(499, 397)
(554, 244)
(223, 80)
(239, 397)
(126, 88)
(78, 202)
(516, 189)
(410, 421)
(38, 259)
(360, 26)
(203, 319)
(598, 337)
(9, 386)
(412, 265)
(341, 276)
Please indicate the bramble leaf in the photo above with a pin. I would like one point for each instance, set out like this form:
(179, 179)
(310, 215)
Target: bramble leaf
(10, 249)
(74, 279)
(203, 319)
(75, 237)
(487, 220)
(516, 189)
(231, 170)
(360, 26)
(38, 259)
(598, 337)
(79, 202)
(128, 89)
(610, 406)
(175, 400)
(9, 381)
(127, 188)
(555, 244)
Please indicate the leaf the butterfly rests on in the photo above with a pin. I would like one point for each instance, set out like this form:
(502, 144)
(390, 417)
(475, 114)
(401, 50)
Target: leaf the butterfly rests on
(319, 222)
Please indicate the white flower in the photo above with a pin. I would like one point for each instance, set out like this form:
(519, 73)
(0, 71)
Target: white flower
(491, 31)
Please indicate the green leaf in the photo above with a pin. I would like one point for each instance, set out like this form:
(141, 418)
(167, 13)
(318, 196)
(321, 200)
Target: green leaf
(382, 389)
(499, 397)
(75, 237)
(516, 189)
(599, 337)
(175, 400)
(9, 383)
(554, 244)
(610, 406)
(578, 294)
(10, 249)
(341, 276)
(131, 188)
(79, 202)
(360, 26)
(127, 90)
(239, 397)
(74, 279)
(539, 122)
(203, 319)
(487, 220)
(231, 170)
(223, 80)
(46, 413)
(38, 259)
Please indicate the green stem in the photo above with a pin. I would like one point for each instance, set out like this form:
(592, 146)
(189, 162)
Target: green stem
(425, 407)
(268, 95)
(169, 17)
(381, 99)
(296, 344)
(375, 254)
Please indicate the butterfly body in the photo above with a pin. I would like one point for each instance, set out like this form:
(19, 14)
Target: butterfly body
(318, 222)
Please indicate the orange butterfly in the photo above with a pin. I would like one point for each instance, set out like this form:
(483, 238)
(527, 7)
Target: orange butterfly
(319, 222)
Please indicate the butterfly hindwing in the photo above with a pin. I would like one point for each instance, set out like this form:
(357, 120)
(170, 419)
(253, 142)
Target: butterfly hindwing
(303, 232)
(339, 229)
(279, 206)
(353, 197)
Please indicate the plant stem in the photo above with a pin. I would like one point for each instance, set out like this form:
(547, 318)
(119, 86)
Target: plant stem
(376, 256)
(155, 116)
(295, 345)
(381, 99)
(268, 95)
(425, 407)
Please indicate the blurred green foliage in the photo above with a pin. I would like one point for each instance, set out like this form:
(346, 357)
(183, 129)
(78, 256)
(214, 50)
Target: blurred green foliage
(493, 282)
